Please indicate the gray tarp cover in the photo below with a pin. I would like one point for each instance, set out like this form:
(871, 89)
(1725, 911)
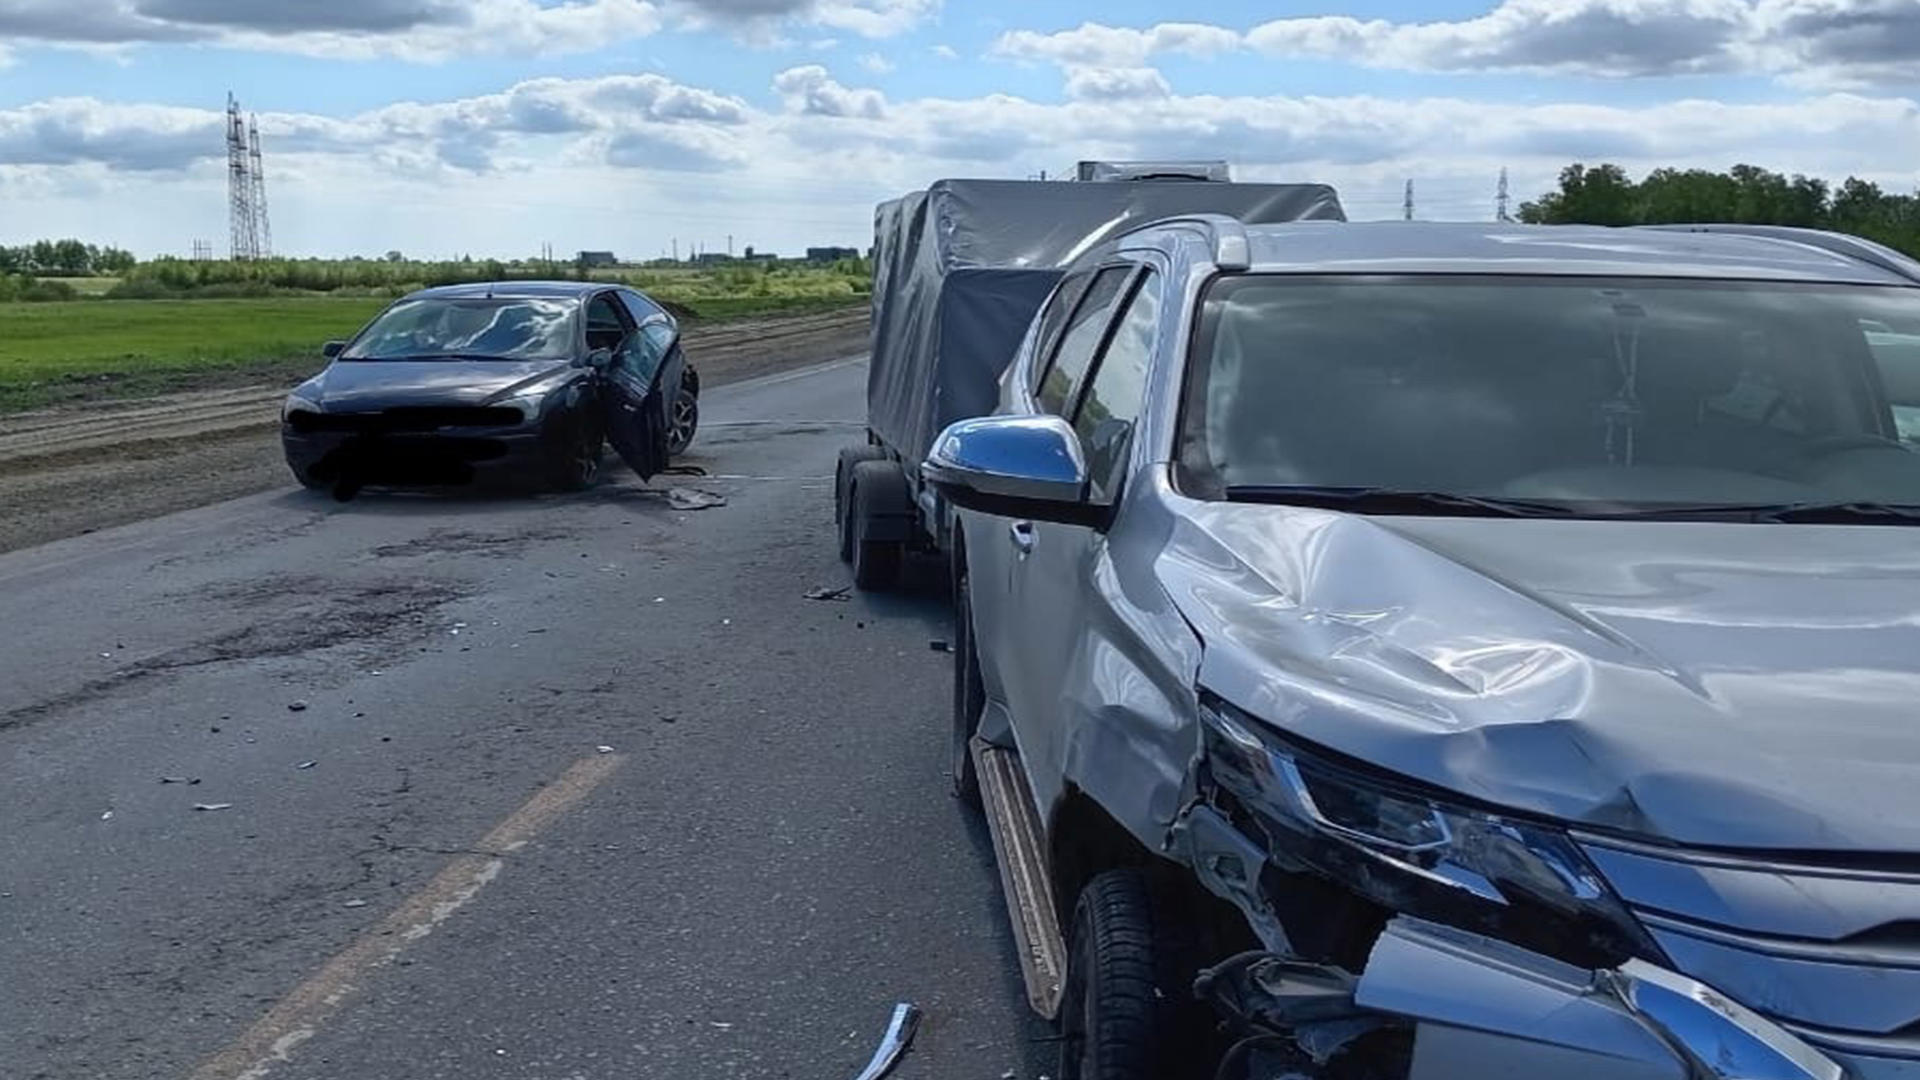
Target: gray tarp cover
(960, 269)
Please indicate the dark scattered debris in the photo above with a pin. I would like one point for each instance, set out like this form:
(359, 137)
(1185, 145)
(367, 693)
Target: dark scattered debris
(187, 780)
(297, 706)
(306, 765)
(843, 593)
(213, 806)
(940, 646)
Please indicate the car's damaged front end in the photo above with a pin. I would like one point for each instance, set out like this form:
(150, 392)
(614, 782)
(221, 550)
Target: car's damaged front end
(1404, 937)
(1500, 801)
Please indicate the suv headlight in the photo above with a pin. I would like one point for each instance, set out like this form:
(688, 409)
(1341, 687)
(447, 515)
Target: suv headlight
(1418, 853)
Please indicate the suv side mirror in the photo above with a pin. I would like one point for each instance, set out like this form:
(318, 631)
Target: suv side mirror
(598, 359)
(332, 349)
(1029, 467)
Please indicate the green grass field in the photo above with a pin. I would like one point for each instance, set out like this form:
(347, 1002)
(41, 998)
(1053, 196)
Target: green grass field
(55, 352)
(91, 349)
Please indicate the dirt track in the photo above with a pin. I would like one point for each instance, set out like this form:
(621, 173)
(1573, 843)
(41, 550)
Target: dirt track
(81, 468)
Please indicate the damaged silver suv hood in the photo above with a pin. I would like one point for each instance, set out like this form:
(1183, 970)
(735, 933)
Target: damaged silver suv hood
(1719, 685)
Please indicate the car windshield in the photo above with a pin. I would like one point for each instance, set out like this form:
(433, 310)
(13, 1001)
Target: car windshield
(479, 329)
(1600, 396)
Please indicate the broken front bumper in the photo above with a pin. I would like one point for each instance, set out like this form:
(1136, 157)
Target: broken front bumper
(1482, 1008)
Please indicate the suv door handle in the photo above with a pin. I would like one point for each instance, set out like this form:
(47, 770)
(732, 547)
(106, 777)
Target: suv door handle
(1023, 537)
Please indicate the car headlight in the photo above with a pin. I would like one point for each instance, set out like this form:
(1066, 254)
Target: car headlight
(296, 404)
(1417, 853)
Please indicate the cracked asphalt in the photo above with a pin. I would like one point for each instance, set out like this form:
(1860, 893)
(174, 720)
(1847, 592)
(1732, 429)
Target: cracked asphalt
(530, 788)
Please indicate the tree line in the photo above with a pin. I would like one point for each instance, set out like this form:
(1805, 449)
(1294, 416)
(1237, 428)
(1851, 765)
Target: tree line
(1746, 194)
(64, 258)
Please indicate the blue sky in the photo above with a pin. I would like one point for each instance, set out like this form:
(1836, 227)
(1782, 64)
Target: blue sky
(492, 126)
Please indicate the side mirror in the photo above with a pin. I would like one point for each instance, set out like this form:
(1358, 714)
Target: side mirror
(1029, 467)
(598, 359)
(332, 349)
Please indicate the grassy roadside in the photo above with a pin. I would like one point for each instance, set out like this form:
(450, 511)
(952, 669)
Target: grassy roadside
(58, 353)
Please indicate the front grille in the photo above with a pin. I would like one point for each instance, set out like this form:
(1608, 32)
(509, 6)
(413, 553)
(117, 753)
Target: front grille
(393, 421)
(1827, 950)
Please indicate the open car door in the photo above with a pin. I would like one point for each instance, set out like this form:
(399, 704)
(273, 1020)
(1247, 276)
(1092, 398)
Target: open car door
(635, 403)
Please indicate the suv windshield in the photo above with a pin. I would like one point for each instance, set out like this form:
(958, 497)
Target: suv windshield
(1602, 396)
(481, 329)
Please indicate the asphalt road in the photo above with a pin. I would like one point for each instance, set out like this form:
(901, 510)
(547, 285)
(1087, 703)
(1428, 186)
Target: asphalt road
(591, 791)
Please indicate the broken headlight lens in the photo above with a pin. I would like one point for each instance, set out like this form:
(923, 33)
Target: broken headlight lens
(296, 404)
(1417, 853)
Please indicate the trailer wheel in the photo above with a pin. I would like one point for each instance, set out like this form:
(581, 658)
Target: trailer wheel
(880, 506)
(1129, 1011)
(850, 457)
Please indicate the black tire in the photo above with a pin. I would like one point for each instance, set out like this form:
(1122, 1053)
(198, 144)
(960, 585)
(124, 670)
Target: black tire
(878, 488)
(969, 687)
(683, 416)
(850, 457)
(1129, 1012)
(576, 465)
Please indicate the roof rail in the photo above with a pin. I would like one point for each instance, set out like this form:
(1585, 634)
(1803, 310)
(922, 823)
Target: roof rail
(1845, 245)
(1225, 233)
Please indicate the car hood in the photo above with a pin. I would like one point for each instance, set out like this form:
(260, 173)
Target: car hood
(354, 385)
(1729, 685)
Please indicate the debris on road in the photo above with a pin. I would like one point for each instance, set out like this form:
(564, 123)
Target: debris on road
(181, 779)
(297, 706)
(940, 646)
(213, 806)
(108, 816)
(604, 749)
(895, 1043)
(843, 593)
(694, 499)
(306, 765)
(353, 903)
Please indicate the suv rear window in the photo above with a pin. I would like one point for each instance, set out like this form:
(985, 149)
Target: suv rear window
(1627, 392)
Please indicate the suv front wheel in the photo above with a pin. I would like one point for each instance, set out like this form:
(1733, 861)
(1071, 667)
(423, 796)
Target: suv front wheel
(1129, 1011)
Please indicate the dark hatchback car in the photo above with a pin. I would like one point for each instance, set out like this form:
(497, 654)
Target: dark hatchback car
(522, 381)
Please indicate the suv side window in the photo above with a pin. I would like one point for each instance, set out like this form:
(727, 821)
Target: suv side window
(1053, 323)
(1112, 403)
(1084, 334)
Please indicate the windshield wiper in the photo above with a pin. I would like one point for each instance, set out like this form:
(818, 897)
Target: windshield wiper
(1377, 500)
(1804, 513)
(428, 356)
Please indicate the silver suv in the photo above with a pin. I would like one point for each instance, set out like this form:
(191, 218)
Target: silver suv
(1454, 651)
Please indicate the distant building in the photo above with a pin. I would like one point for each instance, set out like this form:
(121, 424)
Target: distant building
(831, 254)
(760, 256)
(597, 259)
(712, 258)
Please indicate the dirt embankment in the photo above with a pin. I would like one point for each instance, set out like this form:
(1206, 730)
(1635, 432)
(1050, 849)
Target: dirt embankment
(85, 467)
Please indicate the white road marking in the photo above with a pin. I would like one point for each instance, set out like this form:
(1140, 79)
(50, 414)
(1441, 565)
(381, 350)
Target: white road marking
(300, 1015)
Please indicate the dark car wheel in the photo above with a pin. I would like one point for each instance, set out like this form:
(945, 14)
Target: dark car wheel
(1129, 1011)
(879, 490)
(850, 457)
(683, 420)
(969, 688)
(577, 464)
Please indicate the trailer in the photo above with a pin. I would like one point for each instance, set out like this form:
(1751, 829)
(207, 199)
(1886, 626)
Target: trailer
(958, 272)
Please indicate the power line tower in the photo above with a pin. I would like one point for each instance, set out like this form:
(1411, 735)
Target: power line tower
(1407, 207)
(262, 228)
(1503, 203)
(241, 220)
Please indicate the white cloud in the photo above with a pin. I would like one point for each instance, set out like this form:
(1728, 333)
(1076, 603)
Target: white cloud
(877, 63)
(1828, 43)
(811, 91)
(429, 30)
(1116, 84)
(1099, 45)
(945, 52)
(644, 158)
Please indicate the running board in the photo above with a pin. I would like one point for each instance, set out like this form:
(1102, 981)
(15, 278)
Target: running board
(1025, 877)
